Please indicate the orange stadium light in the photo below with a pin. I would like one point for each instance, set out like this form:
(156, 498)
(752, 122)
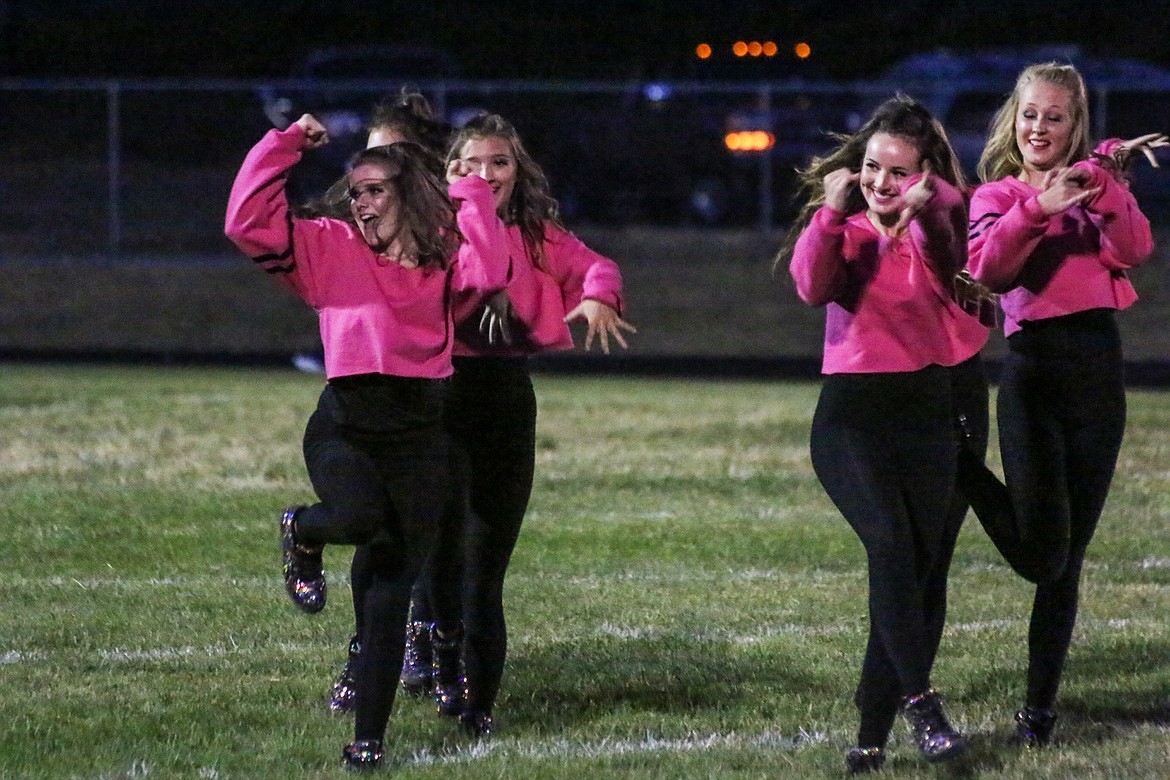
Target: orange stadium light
(703, 51)
(740, 48)
(802, 50)
(749, 141)
(755, 49)
(770, 49)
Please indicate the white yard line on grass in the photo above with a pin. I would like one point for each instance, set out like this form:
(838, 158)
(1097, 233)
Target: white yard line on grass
(650, 744)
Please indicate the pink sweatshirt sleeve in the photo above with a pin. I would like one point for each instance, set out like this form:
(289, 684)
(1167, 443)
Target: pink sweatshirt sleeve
(482, 266)
(940, 229)
(258, 219)
(1003, 234)
(1126, 238)
(818, 261)
(581, 272)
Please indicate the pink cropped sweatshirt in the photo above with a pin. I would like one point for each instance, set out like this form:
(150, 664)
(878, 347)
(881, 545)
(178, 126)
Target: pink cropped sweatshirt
(375, 316)
(888, 300)
(1051, 265)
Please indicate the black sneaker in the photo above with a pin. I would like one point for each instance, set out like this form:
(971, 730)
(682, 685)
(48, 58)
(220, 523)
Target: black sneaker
(344, 691)
(304, 577)
(364, 755)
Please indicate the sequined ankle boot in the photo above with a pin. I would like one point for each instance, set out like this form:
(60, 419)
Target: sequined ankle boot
(304, 577)
(447, 668)
(1034, 726)
(341, 696)
(363, 755)
(862, 761)
(416, 659)
(937, 739)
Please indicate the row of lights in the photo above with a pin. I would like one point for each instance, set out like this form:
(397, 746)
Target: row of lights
(802, 50)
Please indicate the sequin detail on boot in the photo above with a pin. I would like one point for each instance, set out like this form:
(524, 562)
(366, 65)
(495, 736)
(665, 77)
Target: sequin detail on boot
(344, 691)
(1034, 726)
(476, 723)
(416, 659)
(447, 666)
(304, 578)
(862, 761)
(364, 755)
(937, 739)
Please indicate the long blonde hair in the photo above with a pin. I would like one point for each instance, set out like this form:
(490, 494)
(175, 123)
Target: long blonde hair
(1001, 156)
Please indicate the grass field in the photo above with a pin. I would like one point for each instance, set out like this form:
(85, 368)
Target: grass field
(684, 601)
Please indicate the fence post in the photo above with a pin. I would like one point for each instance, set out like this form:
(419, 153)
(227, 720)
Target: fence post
(113, 167)
(767, 206)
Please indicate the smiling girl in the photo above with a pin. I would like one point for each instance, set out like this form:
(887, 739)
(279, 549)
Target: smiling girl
(376, 453)
(1055, 230)
(883, 238)
(491, 411)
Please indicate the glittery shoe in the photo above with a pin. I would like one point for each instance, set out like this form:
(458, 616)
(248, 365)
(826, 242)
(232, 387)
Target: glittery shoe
(341, 696)
(304, 578)
(364, 755)
(475, 723)
(416, 660)
(937, 740)
(447, 674)
(1034, 726)
(862, 761)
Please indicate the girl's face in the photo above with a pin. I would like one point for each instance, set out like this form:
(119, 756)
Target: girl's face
(492, 158)
(889, 160)
(1044, 126)
(373, 204)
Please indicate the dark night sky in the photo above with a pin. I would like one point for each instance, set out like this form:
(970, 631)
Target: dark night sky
(569, 39)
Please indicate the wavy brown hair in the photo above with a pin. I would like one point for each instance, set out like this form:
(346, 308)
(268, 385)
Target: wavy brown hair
(901, 116)
(532, 205)
(1001, 156)
(425, 226)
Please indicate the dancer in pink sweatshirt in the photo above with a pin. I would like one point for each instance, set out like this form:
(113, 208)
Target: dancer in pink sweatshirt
(882, 242)
(376, 452)
(1054, 229)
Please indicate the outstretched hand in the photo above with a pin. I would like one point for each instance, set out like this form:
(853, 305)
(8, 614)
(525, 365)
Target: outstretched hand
(1146, 144)
(315, 132)
(603, 320)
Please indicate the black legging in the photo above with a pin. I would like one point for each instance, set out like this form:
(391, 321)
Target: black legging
(377, 456)
(491, 418)
(883, 447)
(878, 696)
(1061, 414)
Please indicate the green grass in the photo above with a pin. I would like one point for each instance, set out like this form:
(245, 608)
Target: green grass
(684, 601)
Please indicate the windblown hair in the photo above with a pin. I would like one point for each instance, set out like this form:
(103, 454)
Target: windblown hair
(1001, 156)
(532, 205)
(411, 116)
(425, 224)
(900, 116)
